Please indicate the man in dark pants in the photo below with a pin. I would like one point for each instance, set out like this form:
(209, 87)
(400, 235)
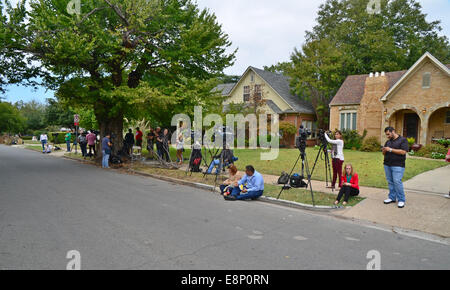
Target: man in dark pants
(395, 151)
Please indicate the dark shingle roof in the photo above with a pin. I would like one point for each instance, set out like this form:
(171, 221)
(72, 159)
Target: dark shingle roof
(225, 89)
(280, 84)
(274, 107)
(352, 90)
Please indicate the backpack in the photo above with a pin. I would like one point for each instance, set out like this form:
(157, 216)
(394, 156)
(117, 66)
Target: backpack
(284, 178)
(297, 181)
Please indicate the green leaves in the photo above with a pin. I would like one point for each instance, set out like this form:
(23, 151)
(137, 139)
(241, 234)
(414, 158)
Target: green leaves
(349, 41)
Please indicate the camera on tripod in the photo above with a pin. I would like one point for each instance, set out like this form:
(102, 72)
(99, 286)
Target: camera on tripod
(300, 141)
(321, 137)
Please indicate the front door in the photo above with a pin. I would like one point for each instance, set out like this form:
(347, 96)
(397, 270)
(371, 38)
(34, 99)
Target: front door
(411, 126)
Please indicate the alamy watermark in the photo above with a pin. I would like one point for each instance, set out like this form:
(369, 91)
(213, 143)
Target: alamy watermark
(375, 260)
(74, 7)
(374, 7)
(74, 257)
(212, 131)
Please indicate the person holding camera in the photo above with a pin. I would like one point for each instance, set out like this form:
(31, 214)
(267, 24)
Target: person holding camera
(350, 187)
(337, 153)
(394, 152)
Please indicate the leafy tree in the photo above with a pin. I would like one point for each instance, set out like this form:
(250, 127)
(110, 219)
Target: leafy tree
(33, 113)
(227, 79)
(315, 75)
(57, 114)
(347, 40)
(10, 119)
(122, 58)
(279, 68)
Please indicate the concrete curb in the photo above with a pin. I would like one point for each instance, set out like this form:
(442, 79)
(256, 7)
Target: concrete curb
(266, 199)
(281, 202)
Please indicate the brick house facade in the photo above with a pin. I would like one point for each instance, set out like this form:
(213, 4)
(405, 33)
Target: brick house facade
(416, 102)
(276, 92)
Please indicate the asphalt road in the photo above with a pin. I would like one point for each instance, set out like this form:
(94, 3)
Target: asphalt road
(50, 206)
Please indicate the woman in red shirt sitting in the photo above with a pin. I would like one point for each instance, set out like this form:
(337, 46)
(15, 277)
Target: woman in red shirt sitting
(350, 185)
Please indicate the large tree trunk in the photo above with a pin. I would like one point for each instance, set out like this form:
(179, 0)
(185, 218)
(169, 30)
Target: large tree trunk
(113, 126)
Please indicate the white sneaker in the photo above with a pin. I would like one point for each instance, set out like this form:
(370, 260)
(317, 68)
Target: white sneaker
(388, 201)
(447, 195)
(401, 204)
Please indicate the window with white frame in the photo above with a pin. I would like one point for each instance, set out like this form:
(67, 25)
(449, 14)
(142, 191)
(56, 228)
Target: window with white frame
(311, 126)
(348, 120)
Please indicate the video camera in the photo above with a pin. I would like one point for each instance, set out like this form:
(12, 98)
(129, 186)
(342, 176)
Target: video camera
(321, 137)
(300, 141)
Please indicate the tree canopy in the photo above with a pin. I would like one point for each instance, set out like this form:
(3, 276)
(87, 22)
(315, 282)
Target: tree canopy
(121, 57)
(347, 40)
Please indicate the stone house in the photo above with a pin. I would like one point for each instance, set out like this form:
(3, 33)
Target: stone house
(278, 99)
(416, 102)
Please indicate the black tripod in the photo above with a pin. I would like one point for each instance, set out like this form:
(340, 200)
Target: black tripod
(305, 167)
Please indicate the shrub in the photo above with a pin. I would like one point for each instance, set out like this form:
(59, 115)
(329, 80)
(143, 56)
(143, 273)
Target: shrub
(428, 150)
(287, 128)
(444, 142)
(411, 141)
(371, 144)
(436, 155)
(352, 140)
(61, 137)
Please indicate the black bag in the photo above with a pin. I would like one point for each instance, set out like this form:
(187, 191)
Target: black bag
(284, 178)
(297, 181)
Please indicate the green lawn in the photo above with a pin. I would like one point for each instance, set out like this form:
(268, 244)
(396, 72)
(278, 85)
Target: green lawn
(304, 196)
(368, 165)
(297, 195)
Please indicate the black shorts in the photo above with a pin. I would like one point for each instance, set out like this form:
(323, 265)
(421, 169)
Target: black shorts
(139, 143)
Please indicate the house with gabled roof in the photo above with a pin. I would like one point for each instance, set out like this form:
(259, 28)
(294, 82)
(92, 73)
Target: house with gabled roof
(275, 90)
(416, 102)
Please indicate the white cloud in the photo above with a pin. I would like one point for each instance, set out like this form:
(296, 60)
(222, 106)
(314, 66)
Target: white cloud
(267, 31)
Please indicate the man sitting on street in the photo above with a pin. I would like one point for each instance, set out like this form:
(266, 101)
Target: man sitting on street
(251, 186)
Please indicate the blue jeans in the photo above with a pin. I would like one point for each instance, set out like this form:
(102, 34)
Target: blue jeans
(217, 162)
(68, 146)
(249, 195)
(394, 176)
(105, 160)
(43, 145)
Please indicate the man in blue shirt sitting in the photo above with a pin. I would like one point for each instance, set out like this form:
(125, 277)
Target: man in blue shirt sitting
(252, 183)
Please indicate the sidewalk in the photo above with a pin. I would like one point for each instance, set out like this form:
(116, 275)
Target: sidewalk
(423, 212)
(434, 181)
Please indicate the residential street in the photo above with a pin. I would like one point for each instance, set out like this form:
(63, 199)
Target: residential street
(50, 206)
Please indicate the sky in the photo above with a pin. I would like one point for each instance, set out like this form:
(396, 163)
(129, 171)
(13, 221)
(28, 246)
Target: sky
(264, 31)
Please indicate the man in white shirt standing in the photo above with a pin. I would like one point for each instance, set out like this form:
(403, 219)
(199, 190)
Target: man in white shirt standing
(44, 140)
(337, 154)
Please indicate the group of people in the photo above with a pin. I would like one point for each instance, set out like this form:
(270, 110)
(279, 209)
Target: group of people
(242, 187)
(394, 150)
(158, 137)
